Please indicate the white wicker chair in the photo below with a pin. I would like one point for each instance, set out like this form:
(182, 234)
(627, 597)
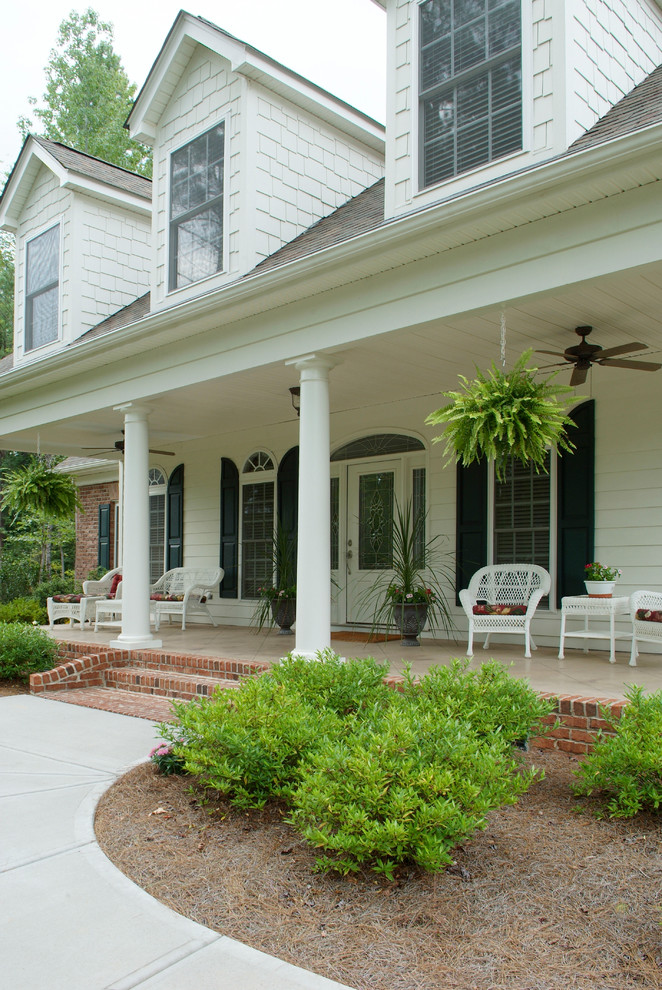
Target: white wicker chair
(504, 585)
(102, 586)
(645, 630)
(185, 591)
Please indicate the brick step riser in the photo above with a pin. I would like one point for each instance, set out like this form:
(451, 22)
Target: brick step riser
(153, 682)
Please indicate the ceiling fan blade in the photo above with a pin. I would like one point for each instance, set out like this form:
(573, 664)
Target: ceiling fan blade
(166, 453)
(557, 354)
(621, 349)
(578, 376)
(634, 365)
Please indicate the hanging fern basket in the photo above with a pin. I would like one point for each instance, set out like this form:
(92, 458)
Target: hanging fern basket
(499, 415)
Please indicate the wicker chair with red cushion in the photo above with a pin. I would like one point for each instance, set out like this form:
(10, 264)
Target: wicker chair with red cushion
(646, 615)
(503, 598)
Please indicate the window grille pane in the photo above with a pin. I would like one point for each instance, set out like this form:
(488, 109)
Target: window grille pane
(469, 119)
(377, 445)
(418, 505)
(43, 260)
(335, 523)
(156, 536)
(521, 516)
(43, 312)
(257, 537)
(196, 208)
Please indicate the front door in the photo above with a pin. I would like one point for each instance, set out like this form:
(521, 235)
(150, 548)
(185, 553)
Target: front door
(372, 491)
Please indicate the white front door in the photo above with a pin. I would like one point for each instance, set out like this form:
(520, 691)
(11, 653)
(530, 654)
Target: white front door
(372, 491)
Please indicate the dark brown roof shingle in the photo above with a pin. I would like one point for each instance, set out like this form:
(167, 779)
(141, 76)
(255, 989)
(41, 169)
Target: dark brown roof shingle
(95, 168)
(640, 108)
(131, 313)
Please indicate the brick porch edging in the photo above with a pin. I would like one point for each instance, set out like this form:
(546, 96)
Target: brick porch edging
(576, 719)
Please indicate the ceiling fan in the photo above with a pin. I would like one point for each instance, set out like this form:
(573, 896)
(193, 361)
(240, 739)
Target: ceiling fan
(583, 355)
(119, 447)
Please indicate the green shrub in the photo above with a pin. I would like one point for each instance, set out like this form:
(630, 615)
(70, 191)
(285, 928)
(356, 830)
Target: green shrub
(56, 586)
(332, 683)
(373, 776)
(406, 786)
(488, 698)
(23, 610)
(626, 769)
(97, 573)
(247, 743)
(24, 650)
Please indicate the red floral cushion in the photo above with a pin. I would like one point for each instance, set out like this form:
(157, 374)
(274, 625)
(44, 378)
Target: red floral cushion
(499, 610)
(158, 597)
(648, 615)
(117, 579)
(69, 599)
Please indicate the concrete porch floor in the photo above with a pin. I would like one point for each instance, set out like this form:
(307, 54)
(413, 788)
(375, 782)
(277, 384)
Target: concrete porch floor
(584, 674)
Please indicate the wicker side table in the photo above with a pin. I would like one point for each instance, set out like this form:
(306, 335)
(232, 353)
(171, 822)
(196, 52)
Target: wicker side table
(594, 608)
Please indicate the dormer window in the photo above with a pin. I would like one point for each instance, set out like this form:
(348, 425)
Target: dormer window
(42, 289)
(196, 209)
(470, 85)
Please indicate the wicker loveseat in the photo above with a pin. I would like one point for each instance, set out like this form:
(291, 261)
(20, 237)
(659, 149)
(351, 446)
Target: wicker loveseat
(646, 614)
(503, 598)
(185, 591)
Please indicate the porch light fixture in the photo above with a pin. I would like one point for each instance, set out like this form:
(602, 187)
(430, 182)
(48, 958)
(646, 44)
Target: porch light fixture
(295, 392)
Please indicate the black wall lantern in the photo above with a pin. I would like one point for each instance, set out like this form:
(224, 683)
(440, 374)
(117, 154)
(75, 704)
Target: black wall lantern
(295, 392)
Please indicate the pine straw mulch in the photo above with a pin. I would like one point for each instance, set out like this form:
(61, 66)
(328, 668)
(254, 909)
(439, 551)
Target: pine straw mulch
(546, 898)
(8, 688)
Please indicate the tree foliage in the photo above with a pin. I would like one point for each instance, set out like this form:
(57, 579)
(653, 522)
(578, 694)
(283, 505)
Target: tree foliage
(88, 95)
(6, 293)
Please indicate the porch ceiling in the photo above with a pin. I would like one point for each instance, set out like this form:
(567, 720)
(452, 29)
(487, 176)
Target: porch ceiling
(420, 360)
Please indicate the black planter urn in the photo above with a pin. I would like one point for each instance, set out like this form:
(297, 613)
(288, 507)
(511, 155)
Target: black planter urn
(284, 612)
(410, 620)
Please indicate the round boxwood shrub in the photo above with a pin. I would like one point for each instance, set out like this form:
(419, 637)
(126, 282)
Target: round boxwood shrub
(25, 650)
(23, 610)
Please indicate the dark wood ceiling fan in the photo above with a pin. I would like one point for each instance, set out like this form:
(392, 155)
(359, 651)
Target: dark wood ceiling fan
(119, 447)
(583, 355)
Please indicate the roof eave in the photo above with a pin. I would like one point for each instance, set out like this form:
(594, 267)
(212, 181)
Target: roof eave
(464, 208)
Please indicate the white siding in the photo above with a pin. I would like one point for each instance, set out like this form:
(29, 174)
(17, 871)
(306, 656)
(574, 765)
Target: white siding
(613, 46)
(304, 170)
(115, 252)
(48, 204)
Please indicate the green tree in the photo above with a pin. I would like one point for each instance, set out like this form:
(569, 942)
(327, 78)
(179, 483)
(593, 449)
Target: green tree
(6, 294)
(36, 492)
(88, 95)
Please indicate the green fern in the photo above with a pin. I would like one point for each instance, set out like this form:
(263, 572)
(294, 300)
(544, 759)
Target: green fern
(500, 414)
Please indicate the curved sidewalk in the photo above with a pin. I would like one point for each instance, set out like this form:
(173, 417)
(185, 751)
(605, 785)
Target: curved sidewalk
(69, 920)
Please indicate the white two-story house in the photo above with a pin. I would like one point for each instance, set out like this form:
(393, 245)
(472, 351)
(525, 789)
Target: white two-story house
(289, 244)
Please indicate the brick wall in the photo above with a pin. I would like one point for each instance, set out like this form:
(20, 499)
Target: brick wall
(87, 526)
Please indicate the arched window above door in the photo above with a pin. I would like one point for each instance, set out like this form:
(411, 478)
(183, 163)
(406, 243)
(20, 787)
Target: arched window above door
(377, 445)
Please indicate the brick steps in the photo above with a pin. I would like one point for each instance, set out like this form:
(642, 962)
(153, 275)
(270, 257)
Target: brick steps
(167, 683)
(137, 682)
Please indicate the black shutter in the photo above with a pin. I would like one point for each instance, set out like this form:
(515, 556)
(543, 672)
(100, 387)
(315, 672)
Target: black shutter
(229, 528)
(576, 503)
(288, 498)
(175, 520)
(471, 522)
(103, 555)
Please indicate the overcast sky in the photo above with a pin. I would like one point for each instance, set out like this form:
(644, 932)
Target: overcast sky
(339, 45)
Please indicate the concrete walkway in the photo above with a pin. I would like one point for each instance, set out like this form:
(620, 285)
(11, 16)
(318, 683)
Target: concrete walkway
(69, 920)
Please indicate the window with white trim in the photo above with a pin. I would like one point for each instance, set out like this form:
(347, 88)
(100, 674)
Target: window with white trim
(157, 504)
(42, 279)
(257, 524)
(196, 208)
(470, 85)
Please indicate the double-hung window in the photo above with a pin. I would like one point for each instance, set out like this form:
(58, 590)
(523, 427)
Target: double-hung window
(196, 208)
(42, 289)
(470, 85)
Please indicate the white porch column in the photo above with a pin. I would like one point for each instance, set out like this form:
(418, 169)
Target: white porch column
(135, 564)
(313, 623)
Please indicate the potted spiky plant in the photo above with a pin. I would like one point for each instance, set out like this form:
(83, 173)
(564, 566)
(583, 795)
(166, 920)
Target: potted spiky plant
(277, 600)
(411, 594)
